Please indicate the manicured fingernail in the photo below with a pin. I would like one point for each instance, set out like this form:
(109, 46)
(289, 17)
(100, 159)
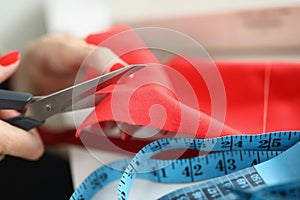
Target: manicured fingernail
(9, 58)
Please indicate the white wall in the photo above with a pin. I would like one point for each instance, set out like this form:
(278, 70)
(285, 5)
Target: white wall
(20, 21)
(23, 20)
(137, 10)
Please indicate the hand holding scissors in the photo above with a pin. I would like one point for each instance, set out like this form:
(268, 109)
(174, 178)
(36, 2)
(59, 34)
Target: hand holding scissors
(77, 97)
(27, 144)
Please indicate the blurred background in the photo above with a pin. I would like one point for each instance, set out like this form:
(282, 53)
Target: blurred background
(226, 28)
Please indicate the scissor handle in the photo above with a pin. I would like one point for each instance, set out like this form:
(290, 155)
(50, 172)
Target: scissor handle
(17, 101)
(25, 123)
(13, 100)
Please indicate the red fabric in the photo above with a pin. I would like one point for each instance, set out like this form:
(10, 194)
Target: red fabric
(125, 43)
(252, 87)
(260, 96)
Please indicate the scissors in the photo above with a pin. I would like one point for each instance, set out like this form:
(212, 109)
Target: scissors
(36, 109)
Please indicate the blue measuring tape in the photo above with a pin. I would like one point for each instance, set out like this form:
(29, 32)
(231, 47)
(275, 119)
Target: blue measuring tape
(229, 159)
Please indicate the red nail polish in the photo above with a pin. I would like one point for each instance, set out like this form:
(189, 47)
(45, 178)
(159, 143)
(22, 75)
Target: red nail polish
(9, 58)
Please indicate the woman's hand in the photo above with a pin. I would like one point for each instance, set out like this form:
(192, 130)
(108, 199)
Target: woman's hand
(51, 63)
(15, 141)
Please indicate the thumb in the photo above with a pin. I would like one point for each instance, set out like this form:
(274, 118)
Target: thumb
(9, 64)
(17, 142)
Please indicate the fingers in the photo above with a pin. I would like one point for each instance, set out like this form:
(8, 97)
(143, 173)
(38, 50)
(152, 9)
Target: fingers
(58, 53)
(6, 114)
(51, 63)
(75, 53)
(17, 142)
(8, 65)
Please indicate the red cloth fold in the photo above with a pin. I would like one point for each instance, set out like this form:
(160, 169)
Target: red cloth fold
(260, 96)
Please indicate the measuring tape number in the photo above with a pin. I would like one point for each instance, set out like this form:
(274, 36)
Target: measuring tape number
(226, 155)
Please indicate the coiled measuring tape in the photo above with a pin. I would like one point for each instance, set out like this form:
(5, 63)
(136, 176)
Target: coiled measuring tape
(234, 162)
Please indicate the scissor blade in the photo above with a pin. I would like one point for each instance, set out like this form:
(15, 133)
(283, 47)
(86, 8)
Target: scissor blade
(61, 101)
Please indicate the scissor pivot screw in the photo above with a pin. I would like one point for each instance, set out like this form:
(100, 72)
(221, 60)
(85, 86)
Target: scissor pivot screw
(48, 107)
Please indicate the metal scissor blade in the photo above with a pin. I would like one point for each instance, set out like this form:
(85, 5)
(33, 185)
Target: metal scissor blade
(61, 101)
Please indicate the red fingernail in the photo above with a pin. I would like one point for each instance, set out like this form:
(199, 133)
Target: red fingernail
(9, 58)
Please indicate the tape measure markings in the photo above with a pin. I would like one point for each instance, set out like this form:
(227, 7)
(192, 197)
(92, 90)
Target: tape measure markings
(172, 143)
(109, 173)
(278, 192)
(249, 179)
(217, 188)
(221, 162)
